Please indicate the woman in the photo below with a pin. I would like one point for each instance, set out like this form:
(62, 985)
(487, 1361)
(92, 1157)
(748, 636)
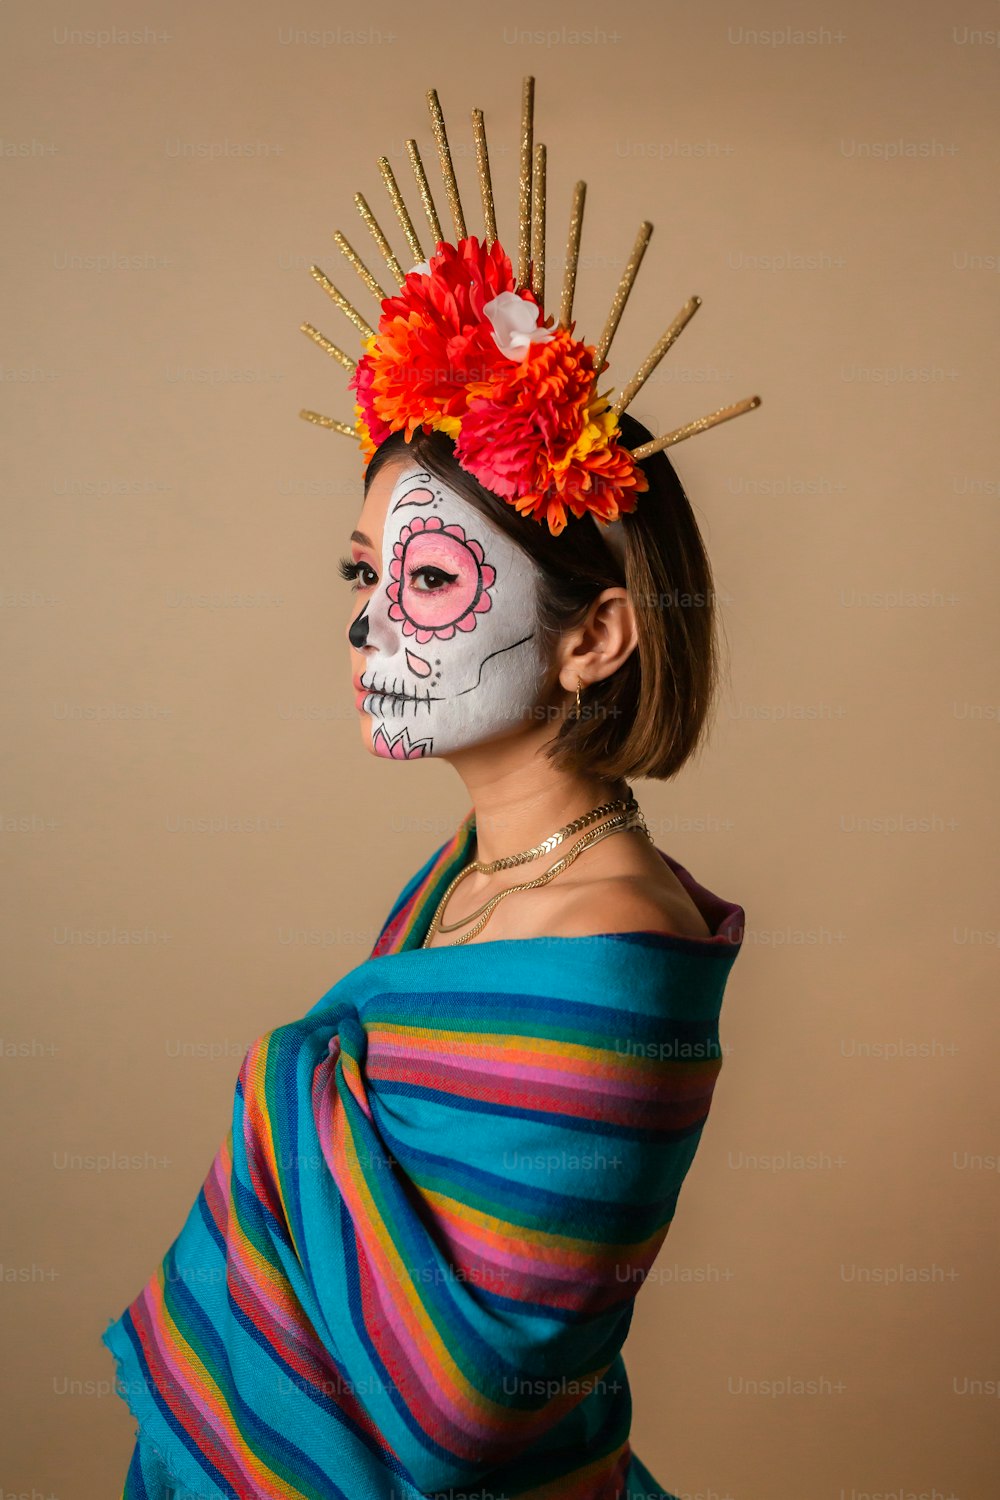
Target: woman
(514, 619)
(415, 1259)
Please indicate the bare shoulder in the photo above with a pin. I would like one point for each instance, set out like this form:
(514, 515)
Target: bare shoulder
(629, 903)
(626, 887)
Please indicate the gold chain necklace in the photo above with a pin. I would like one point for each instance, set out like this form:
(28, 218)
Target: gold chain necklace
(624, 814)
(515, 859)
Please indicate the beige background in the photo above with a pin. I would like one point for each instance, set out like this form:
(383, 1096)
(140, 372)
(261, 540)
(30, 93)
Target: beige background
(175, 651)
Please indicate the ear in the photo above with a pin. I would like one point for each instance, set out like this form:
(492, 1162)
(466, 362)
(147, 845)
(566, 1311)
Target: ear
(606, 637)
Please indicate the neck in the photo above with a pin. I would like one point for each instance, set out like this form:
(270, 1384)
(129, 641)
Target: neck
(520, 798)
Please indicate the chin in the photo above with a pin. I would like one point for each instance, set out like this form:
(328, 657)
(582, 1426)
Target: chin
(392, 742)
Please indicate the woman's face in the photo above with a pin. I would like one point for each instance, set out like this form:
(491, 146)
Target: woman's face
(445, 644)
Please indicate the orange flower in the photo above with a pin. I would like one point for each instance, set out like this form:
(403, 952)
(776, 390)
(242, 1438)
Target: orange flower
(434, 342)
(544, 440)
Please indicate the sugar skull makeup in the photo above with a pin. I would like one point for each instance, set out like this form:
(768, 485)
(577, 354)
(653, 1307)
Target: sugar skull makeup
(449, 634)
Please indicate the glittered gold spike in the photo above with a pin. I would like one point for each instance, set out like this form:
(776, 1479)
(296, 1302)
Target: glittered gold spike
(700, 425)
(485, 181)
(424, 189)
(405, 222)
(524, 180)
(622, 294)
(649, 364)
(447, 168)
(363, 328)
(538, 227)
(572, 254)
(366, 276)
(331, 423)
(328, 347)
(379, 237)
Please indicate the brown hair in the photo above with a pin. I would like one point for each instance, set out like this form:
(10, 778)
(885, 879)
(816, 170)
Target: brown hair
(649, 716)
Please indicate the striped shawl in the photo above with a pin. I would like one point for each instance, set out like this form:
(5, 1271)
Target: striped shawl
(413, 1263)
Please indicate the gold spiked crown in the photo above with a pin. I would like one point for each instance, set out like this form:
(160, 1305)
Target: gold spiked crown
(463, 347)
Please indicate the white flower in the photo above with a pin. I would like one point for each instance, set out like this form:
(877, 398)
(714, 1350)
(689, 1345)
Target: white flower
(515, 325)
(422, 268)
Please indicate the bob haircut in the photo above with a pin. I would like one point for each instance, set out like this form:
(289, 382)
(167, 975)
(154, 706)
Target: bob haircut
(651, 715)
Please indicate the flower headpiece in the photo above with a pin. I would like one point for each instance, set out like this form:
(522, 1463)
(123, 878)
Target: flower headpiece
(464, 347)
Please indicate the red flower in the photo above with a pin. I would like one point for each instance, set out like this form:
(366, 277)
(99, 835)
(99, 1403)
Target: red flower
(542, 439)
(434, 344)
(371, 428)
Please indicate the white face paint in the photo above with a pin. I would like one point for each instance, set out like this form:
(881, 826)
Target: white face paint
(449, 636)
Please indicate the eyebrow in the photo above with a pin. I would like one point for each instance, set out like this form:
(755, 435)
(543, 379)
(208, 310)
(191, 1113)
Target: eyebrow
(366, 541)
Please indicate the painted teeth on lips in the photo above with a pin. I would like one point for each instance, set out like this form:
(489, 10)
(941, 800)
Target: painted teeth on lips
(384, 691)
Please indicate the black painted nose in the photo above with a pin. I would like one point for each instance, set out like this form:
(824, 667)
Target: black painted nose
(358, 633)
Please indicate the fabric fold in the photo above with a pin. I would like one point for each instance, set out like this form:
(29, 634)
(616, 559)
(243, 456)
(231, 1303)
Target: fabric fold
(414, 1261)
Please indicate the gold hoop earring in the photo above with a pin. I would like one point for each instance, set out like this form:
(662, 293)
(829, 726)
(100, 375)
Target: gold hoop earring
(576, 712)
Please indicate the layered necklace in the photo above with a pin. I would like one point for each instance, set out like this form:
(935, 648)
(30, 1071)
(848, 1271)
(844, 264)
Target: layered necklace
(611, 817)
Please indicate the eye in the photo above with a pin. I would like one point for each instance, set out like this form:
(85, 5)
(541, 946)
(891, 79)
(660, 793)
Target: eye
(351, 571)
(436, 578)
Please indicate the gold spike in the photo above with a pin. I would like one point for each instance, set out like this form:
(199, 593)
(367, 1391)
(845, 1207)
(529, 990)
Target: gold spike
(363, 328)
(366, 276)
(331, 423)
(485, 181)
(621, 295)
(447, 168)
(424, 189)
(538, 227)
(405, 222)
(379, 238)
(572, 254)
(700, 425)
(328, 347)
(524, 181)
(652, 359)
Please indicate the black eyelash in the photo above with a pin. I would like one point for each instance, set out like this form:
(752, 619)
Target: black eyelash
(349, 569)
(428, 568)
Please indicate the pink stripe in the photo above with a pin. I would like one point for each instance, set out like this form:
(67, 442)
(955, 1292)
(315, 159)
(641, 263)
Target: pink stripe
(184, 1379)
(573, 1079)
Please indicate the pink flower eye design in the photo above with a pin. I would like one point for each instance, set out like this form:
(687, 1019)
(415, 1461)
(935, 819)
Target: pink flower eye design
(426, 545)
